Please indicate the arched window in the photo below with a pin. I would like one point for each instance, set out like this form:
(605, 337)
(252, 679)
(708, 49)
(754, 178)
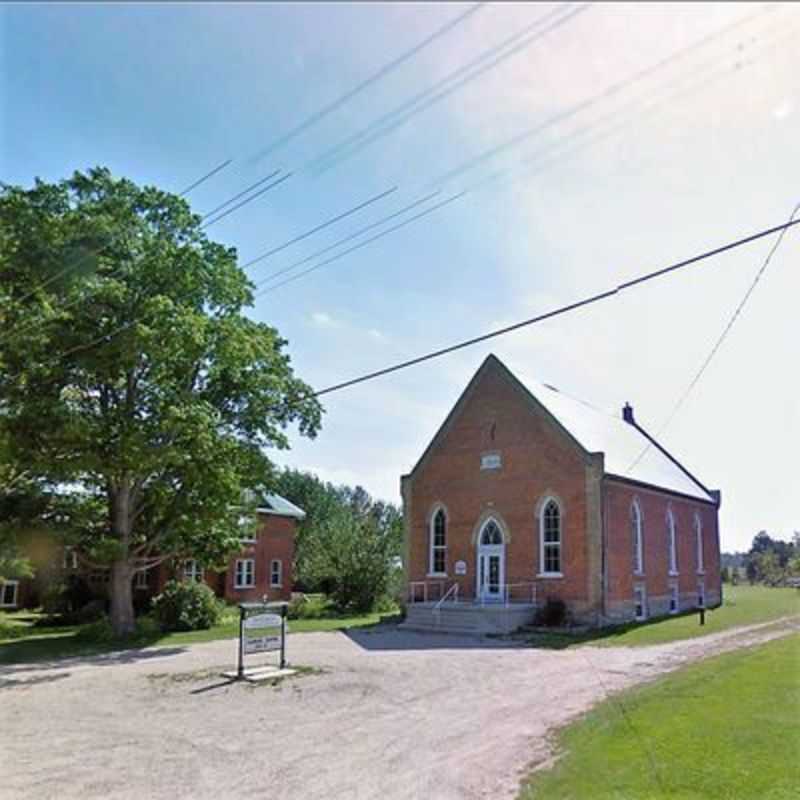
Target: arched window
(672, 543)
(490, 534)
(637, 535)
(550, 538)
(438, 540)
(698, 536)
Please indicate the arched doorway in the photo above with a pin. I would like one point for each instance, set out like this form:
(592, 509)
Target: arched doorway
(491, 563)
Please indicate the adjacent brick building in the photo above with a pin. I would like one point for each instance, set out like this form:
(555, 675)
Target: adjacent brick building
(525, 495)
(263, 568)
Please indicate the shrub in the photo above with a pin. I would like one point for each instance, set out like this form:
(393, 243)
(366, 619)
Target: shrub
(308, 607)
(67, 599)
(147, 628)
(553, 614)
(186, 606)
(91, 612)
(98, 632)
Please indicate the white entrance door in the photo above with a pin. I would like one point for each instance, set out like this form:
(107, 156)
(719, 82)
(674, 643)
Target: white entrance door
(491, 564)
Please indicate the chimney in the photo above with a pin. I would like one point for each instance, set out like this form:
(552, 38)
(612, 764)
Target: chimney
(627, 414)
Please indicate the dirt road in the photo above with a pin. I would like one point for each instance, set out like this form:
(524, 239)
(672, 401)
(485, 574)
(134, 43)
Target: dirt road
(390, 715)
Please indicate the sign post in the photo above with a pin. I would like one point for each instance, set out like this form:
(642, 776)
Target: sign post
(262, 629)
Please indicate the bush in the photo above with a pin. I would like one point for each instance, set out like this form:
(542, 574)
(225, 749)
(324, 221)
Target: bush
(67, 599)
(553, 614)
(309, 607)
(147, 628)
(93, 611)
(98, 632)
(186, 606)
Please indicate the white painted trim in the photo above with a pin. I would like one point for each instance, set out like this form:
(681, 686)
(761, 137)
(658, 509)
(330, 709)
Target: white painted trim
(549, 574)
(436, 575)
(543, 504)
(3, 585)
(697, 525)
(672, 541)
(637, 515)
(487, 550)
(236, 584)
(674, 593)
(437, 507)
(640, 587)
(272, 563)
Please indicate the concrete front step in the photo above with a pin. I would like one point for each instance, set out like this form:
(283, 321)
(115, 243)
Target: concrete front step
(467, 618)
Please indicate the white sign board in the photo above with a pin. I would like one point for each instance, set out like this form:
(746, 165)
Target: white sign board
(461, 567)
(260, 644)
(263, 621)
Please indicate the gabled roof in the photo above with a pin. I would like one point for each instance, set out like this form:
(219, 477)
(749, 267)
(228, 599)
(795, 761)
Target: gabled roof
(280, 506)
(595, 431)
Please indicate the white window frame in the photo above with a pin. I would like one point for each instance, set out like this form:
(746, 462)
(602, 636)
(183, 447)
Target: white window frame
(192, 571)
(698, 543)
(544, 573)
(637, 519)
(640, 590)
(701, 594)
(674, 598)
(246, 519)
(140, 579)
(672, 542)
(434, 548)
(493, 460)
(276, 584)
(244, 583)
(15, 601)
(70, 558)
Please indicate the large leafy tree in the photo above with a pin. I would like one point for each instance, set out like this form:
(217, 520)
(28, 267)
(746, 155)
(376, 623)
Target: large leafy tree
(130, 377)
(348, 545)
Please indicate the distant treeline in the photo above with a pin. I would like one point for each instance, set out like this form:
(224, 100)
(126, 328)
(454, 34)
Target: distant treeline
(770, 561)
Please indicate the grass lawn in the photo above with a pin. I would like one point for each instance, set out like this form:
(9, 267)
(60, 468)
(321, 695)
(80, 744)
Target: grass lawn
(742, 605)
(21, 642)
(724, 728)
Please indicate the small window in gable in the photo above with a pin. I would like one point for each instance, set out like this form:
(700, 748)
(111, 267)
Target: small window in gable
(491, 461)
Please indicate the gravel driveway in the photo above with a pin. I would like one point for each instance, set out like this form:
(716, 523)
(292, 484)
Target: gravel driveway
(390, 715)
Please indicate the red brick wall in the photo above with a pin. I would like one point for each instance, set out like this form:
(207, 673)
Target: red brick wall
(537, 459)
(275, 540)
(618, 499)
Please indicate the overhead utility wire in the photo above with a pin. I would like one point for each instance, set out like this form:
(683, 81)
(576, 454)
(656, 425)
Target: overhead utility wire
(499, 332)
(648, 276)
(358, 246)
(348, 238)
(240, 194)
(62, 272)
(538, 164)
(381, 73)
(247, 200)
(718, 343)
(543, 151)
(458, 78)
(319, 227)
(608, 92)
(205, 178)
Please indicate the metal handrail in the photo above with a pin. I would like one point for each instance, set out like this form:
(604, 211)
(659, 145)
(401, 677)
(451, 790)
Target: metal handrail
(452, 590)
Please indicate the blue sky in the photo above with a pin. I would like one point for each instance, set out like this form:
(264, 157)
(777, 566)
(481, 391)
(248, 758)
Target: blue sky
(701, 151)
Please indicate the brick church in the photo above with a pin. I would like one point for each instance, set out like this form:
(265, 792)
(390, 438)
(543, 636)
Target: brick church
(526, 494)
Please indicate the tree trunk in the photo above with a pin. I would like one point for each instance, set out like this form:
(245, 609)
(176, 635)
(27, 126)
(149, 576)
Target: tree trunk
(122, 619)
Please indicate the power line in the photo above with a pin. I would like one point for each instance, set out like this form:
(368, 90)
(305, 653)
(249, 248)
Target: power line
(240, 194)
(205, 178)
(576, 108)
(247, 200)
(557, 311)
(61, 273)
(433, 94)
(319, 227)
(718, 343)
(362, 244)
(348, 238)
(381, 73)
